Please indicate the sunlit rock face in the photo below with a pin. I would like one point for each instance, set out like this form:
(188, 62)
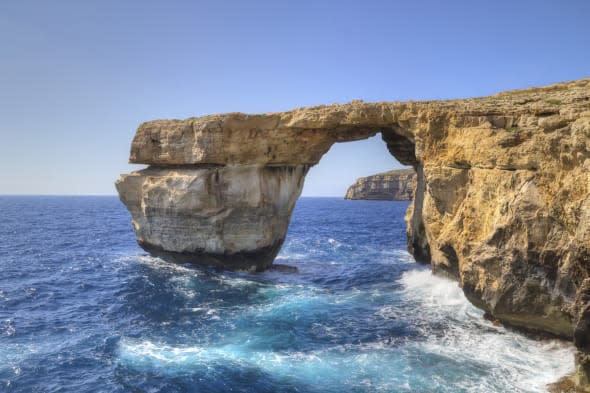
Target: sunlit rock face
(395, 185)
(501, 202)
(233, 216)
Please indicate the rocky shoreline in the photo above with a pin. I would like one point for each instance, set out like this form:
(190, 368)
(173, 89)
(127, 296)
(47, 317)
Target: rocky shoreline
(501, 202)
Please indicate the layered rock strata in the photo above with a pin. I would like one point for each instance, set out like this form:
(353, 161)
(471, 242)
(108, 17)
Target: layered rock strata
(501, 204)
(396, 185)
(233, 216)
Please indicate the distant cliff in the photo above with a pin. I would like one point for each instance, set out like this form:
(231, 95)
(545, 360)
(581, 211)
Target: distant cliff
(396, 185)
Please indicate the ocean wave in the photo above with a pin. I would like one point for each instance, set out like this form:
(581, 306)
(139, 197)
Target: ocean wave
(328, 369)
(512, 359)
(436, 291)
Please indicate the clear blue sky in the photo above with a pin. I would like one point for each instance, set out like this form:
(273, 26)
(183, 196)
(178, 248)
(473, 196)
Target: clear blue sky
(77, 77)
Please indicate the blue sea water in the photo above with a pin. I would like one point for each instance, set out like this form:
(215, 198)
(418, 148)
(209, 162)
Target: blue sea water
(84, 309)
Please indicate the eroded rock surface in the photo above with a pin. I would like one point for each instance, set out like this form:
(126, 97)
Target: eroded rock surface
(234, 216)
(395, 185)
(501, 204)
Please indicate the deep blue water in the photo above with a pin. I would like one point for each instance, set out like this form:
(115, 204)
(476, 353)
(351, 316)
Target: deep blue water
(84, 309)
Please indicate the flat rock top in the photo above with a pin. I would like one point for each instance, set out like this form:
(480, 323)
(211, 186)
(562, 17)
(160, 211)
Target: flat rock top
(393, 172)
(261, 138)
(536, 99)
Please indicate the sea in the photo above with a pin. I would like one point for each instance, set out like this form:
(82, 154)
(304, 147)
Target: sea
(84, 309)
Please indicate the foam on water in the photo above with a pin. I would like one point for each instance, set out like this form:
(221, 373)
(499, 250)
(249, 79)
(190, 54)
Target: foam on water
(514, 360)
(158, 263)
(421, 285)
(12, 355)
(328, 370)
(83, 309)
(469, 354)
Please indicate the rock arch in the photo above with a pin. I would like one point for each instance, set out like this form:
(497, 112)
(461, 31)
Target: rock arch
(221, 189)
(502, 201)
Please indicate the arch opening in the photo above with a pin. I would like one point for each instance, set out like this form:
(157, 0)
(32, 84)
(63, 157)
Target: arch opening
(400, 151)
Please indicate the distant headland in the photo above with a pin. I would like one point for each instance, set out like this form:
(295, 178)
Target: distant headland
(394, 185)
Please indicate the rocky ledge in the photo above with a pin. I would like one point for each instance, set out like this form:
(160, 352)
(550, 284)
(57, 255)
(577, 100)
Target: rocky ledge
(501, 203)
(396, 185)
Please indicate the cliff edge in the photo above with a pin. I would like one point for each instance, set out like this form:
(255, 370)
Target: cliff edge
(395, 185)
(501, 204)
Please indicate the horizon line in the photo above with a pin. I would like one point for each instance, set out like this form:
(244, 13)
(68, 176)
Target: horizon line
(116, 195)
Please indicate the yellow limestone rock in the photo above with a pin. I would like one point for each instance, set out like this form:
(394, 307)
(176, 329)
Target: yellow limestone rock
(501, 204)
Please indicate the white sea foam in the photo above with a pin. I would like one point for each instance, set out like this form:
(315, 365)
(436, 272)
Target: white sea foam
(334, 243)
(158, 263)
(434, 291)
(327, 369)
(526, 364)
(483, 357)
(292, 256)
(8, 328)
(184, 286)
(236, 281)
(374, 366)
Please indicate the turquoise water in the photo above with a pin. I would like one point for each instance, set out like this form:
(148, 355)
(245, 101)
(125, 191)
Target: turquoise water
(84, 309)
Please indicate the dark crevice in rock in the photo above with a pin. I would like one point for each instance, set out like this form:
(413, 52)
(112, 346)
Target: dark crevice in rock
(418, 244)
(452, 268)
(399, 146)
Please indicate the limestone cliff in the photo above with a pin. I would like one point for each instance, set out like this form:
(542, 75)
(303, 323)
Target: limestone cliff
(396, 185)
(232, 216)
(502, 198)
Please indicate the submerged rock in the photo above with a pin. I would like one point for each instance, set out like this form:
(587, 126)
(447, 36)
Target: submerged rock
(396, 185)
(501, 203)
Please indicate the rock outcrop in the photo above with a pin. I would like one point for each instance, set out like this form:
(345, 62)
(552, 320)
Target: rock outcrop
(396, 185)
(232, 216)
(502, 198)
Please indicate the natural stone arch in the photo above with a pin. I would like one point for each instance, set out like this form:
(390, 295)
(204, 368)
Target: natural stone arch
(502, 201)
(221, 189)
